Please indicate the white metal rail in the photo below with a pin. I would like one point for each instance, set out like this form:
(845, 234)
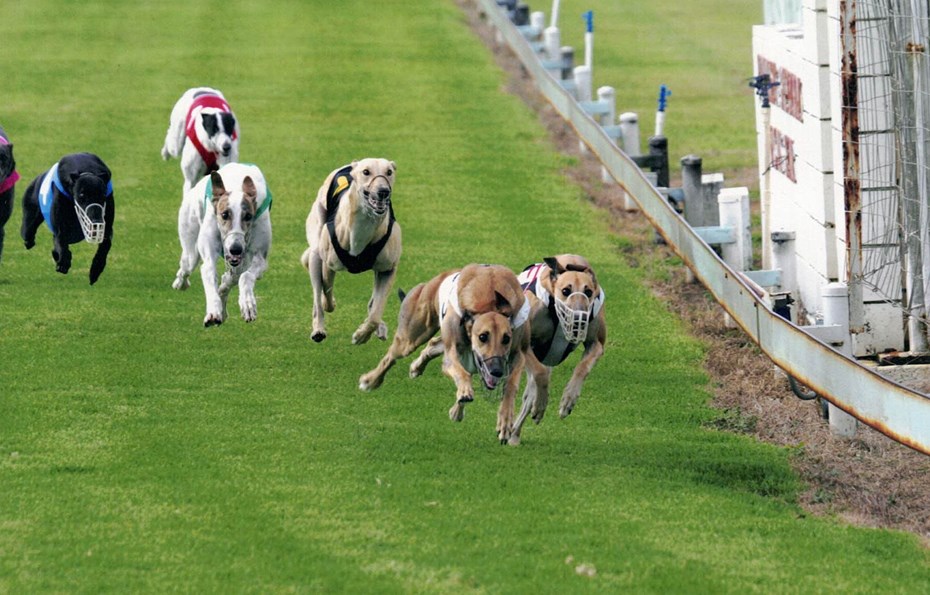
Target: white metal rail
(888, 407)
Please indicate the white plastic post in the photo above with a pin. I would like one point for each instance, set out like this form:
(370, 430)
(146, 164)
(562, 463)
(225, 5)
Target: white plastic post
(538, 20)
(583, 83)
(555, 14)
(734, 212)
(629, 142)
(629, 134)
(552, 43)
(835, 298)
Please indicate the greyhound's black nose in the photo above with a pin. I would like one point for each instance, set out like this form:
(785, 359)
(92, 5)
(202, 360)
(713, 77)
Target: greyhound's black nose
(226, 148)
(496, 370)
(236, 250)
(384, 193)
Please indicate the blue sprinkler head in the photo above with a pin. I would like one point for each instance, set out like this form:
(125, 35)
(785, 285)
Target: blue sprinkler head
(664, 94)
(589, 21)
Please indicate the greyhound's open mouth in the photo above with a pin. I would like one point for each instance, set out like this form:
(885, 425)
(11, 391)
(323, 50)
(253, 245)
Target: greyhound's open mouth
(378, 205)
(488, 378)
(233, 261)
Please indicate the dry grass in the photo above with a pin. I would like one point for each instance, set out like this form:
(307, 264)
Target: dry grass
(869, 480)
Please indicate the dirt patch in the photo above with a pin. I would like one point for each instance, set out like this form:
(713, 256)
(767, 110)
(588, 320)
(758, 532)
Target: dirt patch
(869, 480)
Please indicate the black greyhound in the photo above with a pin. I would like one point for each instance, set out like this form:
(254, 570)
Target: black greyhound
(75, 199)
(8, 178)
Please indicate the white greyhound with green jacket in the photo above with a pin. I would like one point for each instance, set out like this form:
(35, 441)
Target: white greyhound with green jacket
(227, 214)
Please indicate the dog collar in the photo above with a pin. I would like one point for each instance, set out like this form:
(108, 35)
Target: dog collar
(11, 179)
(9, 182)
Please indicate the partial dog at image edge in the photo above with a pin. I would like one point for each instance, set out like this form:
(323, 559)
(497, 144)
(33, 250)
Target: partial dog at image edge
(203, 131)
(75, 200)
(482, 317)
(227, 216)
(567, 310)
(8, 178)
(351, 227)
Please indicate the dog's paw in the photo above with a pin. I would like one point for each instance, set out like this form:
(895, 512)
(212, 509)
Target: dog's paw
(63, 268)
(249, 309)
(362, 334)
(29, 244)
(567, 405)
(514, 440)
(538, 415)
(318, 336)
(415, 369)
(165, 154)
(181, 283)
(382, 331)
(504, 436)
(212, 319)
(369, 382)
(329, 302)
(457, 412)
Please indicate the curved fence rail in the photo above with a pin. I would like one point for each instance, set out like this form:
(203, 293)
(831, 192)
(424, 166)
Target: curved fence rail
(888, 407)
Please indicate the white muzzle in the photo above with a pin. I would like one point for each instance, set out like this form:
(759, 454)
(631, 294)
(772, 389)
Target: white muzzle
(574, 323)
(93, 232)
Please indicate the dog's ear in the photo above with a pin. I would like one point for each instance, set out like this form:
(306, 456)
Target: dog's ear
(209, 123)
(248, 188)
(218, 188)
(394, 166)
(555, 269)
(468, 320)
(502, 304)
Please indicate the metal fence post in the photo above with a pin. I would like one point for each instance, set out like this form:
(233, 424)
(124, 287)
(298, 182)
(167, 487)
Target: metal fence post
(693, 191)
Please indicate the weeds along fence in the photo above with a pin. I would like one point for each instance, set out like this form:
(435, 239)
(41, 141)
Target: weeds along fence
(888, 407)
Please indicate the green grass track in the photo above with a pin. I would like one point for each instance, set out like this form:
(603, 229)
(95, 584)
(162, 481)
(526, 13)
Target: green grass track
(140, 452)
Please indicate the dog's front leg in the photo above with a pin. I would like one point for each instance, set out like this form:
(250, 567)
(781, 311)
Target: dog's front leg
(592, 353)
(61, 254)
(214, 303)
(464, 391)
(506, 410)
(248, 307)
(100, 260)
(373, 323)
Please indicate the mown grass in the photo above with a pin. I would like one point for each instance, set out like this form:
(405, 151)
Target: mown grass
(141, 452)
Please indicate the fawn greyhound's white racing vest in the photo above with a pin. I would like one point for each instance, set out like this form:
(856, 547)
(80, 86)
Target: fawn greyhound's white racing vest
(449, 298)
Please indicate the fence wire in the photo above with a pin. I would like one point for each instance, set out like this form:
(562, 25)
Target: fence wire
(893, 82)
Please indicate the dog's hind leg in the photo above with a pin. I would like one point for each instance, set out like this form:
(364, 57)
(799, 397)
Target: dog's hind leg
(432, 350)
(6, 208)
(373, 323)
(32, 216)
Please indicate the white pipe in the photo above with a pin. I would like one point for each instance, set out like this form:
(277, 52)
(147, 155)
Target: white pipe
(589, 50)
(555, 14)
(835, 298)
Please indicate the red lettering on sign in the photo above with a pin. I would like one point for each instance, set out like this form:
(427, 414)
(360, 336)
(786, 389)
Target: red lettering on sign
(781, 153)
(787, 95)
